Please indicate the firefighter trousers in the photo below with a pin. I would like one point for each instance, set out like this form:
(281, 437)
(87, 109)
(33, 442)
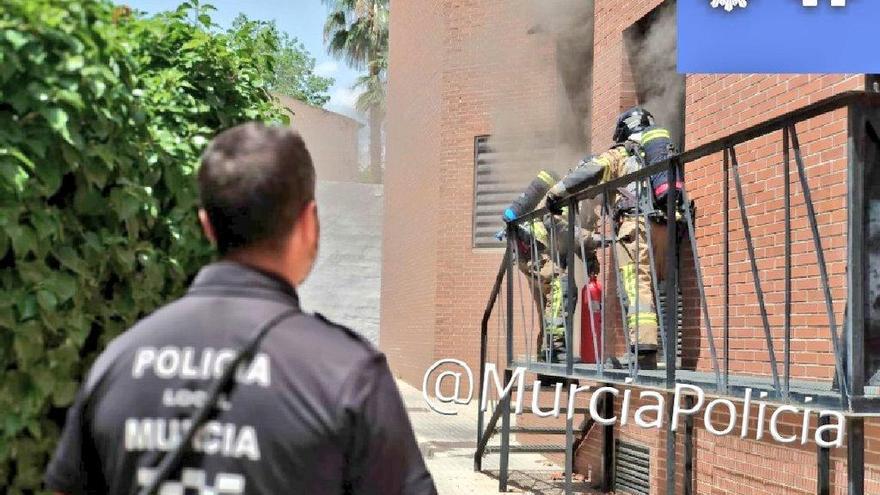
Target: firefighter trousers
(548, 285)
(634, 265)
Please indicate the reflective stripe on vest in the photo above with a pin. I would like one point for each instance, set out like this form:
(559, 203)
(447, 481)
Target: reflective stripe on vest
(547, 178)
(655, 134)
(642, 319)
(664, 186)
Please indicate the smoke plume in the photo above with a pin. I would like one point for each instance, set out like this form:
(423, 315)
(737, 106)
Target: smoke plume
(545, 127)
(651, 46)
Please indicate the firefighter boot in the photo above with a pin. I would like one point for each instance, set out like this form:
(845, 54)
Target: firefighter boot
(552, 349)
(558, 352)
(647, 358)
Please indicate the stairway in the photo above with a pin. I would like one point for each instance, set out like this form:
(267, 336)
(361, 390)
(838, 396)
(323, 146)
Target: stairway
(502, 414)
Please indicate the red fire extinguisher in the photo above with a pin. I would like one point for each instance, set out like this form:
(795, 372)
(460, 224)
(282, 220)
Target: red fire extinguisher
(591, 321)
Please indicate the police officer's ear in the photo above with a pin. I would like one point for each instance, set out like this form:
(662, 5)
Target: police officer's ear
(307, 228)
(207, 228)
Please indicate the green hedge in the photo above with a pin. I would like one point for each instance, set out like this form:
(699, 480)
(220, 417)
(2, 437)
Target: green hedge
(103, 115)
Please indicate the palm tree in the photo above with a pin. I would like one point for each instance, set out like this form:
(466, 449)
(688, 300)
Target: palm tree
(357, 31)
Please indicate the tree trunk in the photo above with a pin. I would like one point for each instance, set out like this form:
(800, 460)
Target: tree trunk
(375, 119)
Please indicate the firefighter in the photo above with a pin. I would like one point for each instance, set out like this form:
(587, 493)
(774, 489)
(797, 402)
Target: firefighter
(545, 268)
(638, 143)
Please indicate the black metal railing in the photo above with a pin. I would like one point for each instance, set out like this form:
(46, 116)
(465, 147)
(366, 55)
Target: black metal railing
(846, 393)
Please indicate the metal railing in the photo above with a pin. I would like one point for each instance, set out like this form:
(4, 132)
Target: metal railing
(846, 393)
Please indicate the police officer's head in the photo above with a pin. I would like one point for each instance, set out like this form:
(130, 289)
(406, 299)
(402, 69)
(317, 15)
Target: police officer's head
(257, 189)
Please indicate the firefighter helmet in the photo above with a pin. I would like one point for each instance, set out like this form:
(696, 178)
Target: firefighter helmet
(632, 121)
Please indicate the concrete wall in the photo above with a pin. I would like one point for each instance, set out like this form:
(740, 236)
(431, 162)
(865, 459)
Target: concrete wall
(332, 139)
(345, 282)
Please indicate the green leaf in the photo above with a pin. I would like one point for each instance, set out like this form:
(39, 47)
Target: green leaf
(99, 86)
(15, 153)
(62, 285)
(47, 300)
(24, 239)
(10, 173)
(45, 223)
(44, 379)
(70, 259)
(58, 119)
(27, 307)
(72, 98)
(124, 203)
(89, 202)
(96, 173)
(49, 174)
(4, 244)
(15, 38)
(28, 345)
(74, 63)
(64, 393)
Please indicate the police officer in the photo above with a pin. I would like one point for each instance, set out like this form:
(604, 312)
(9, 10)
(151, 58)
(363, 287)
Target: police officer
(313, 409)
(638, 143)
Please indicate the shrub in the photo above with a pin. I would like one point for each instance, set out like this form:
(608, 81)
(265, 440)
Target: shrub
(103, 115)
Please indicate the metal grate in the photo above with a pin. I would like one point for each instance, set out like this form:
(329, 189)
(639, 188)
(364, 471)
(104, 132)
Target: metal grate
(632, 469)
(498, 179)
(679, 314)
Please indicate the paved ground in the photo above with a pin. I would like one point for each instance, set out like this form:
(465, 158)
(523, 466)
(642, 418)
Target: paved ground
(345, 283)
(448, 442)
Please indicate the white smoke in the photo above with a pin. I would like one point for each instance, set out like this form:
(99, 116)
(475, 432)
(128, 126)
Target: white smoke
(652, 54)
(558, 39)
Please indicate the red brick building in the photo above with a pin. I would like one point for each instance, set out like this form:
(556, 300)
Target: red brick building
(463, 69)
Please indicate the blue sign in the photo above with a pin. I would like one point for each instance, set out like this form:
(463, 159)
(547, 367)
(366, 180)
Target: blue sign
(778, 36)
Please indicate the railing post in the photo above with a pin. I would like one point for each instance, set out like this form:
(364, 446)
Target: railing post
(505, 435)
(671, 343)
(823, 462)
(786, 173)
(756, 275)
(698, 270)
(856, 261)
(484, 344)
(505, 402)
(572, 301)
(571, 304)
(823, 271)
(689, 450)
(597, 354)
(511, 235)
(726, 262)
(618, 282)
(607, 445)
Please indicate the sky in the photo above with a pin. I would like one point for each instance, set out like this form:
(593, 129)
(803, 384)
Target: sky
(303, 19)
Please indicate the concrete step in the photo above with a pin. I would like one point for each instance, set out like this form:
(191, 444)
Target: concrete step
(533, 430)
(527, 449)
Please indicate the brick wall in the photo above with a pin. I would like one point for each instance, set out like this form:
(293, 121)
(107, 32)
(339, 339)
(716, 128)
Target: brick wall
(453, 76)
(435, 285)
(410, 227)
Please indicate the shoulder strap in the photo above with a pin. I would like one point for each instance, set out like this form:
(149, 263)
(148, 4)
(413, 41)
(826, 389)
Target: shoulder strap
(171, 460)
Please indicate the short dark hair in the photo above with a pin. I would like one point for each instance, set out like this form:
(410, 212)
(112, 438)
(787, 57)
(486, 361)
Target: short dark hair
(254, 182)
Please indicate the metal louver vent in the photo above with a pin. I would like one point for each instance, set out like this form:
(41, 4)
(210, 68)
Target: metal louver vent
(632, 469)
(498, 179)
(679, 315)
